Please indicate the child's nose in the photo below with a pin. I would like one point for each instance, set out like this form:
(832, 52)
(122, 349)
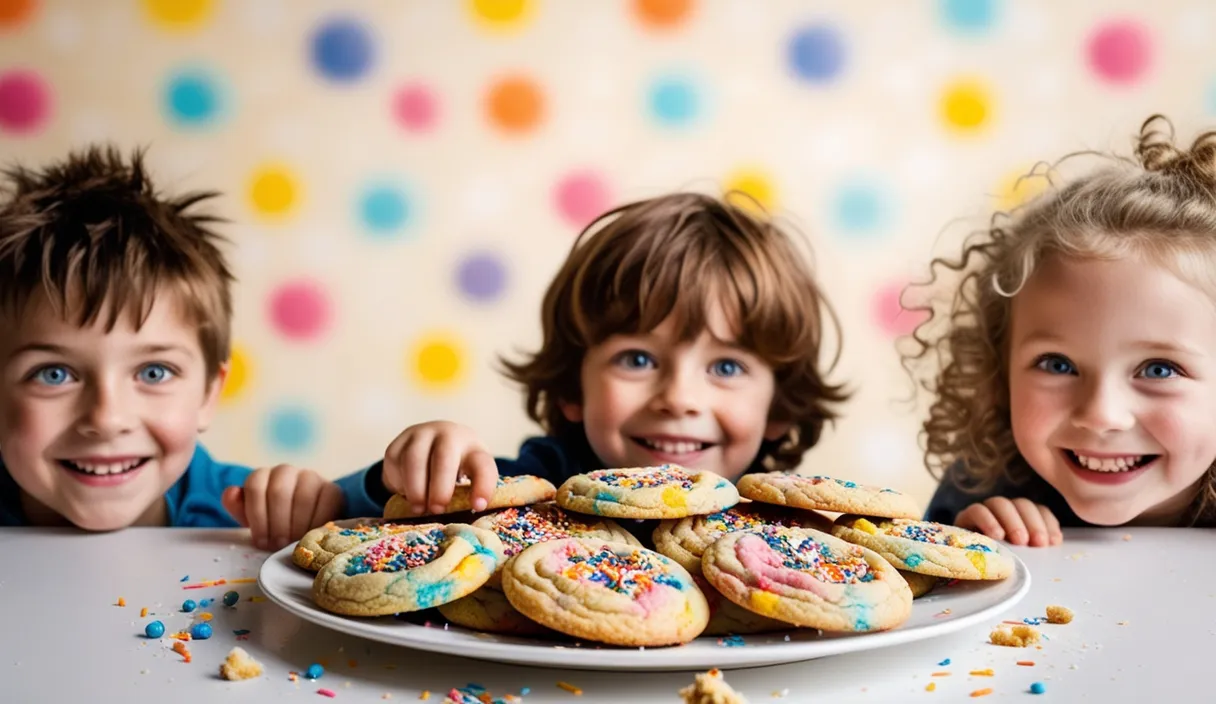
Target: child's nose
(106, 413)
(681, 394)
(1103, 407)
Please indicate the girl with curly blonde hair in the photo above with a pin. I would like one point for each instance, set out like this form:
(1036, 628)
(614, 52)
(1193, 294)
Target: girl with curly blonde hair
(1073, 366)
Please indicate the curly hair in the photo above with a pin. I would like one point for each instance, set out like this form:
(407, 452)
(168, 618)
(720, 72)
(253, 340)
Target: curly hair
(635, 266)
(93, 236)
(1159, 204)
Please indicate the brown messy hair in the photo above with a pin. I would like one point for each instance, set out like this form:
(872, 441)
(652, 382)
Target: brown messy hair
(1159, 204)
(93, 235)
(668, 256)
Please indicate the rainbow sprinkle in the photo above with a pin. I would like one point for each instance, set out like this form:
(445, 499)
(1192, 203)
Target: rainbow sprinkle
(519, 528)
(734, 519)
(926, 532)
(396, 553)
(474, 694)
(806, 554)
(631, 574)
(664, 475)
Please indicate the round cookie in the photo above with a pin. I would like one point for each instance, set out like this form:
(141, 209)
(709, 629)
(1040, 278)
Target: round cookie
(607, 592)
(827, 494)
(928, 548)
(521, 527)
(920, 584)
(488, 610)
(726, 618)
(320, 545)
(522, 490)
(409, 571)
(808, 578)
(685, 540)
(666, 491)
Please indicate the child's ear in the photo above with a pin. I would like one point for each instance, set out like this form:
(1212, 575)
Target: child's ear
(212, 399)
(776, 429)
(572, 411)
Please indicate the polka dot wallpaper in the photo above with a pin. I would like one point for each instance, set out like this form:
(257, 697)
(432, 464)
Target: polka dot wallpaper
(402, 177)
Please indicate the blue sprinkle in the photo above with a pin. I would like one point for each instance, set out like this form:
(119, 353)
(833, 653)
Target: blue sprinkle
(188, 605)
(314, 671)
(241, 632)
(230, 598)
(525, 691)
(1038, 688)
(606, 497)
(156, 629)
(732, 642)
(205, 603)
(200, 631)
(185, 579)
(1035, 621)
(429, 595)
(943, 663)
(913, 560)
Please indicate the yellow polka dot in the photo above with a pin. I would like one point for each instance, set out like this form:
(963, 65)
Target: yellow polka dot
(674, 497)
(273, 191)
(178, 14)
(756, 185)
(238, 375)
(1019, 187)
(966, 106)
(500, 13)
(763, 603)
(437, 362)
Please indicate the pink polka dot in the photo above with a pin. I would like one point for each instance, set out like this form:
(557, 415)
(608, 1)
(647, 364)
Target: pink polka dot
(580, 197)
(300, 310)
(1120, 51)
(890, 315)
(416, 108)
(25, 102)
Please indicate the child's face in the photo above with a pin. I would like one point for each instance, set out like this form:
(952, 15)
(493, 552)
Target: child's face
(649, 399)
(1113, 386)
(97, 426)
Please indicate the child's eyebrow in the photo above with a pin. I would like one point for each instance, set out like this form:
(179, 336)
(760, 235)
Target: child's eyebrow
(38, 347)
(163, 348)
(1162, 346)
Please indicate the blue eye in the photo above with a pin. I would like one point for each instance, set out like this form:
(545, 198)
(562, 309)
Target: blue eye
(1160, 370)
(155, 374)
(55, 375)
(635, 359)
(1055, 364)
(726, 368)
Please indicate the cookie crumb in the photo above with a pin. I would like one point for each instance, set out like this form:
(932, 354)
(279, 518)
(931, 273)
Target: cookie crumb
(711, 688)
(1016, 637)
(1121, 623)
(239, 665)
(1059, 614)
(1126, 537)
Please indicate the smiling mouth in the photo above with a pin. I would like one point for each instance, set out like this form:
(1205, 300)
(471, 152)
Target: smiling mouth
(104, 469)
(672, 447)
(1109, 465)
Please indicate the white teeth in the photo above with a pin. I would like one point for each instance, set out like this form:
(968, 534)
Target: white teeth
(1108, 464)
(107, 468)
(673, 448)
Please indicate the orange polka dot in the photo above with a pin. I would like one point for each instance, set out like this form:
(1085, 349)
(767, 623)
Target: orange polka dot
(662, 14)
(14, 12)
(515, 104)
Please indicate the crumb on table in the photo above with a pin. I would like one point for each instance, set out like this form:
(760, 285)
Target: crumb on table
(240, 666)
(711, 688)
(1015, 637)
(1059, 614)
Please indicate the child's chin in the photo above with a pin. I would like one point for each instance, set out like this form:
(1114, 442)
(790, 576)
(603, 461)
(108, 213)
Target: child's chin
(109, 521)
(1102, 515)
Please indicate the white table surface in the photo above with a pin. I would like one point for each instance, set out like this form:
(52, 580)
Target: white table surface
(1145, 630)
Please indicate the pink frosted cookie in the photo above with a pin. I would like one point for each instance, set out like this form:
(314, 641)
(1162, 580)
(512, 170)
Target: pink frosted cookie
(808, 578)
(685, 540)
(666, 491)
(522, 490)
(608, 592)
(827, 494)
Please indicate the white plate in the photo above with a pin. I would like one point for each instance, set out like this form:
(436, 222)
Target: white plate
(968, 603)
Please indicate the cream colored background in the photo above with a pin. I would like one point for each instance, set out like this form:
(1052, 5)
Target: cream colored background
(879, 122)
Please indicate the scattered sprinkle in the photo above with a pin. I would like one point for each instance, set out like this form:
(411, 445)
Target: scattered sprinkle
(944, 663)
(982, 692)
(230, 598)
(525, 691)
(143, 613)
(180, 648)
(256, 599)
(121, 602)
(314, 672)
(205, 617)
(185, 579)
(293, 676)
(426, 694)
(1038, 688)
(188, 605)
(570, 688)
(940, 674)
(781, 693)
(241, 632)
(942, 614)
(732, 642)
(155, 629)
(981, 673)
(201, 631)
(181, 635)
(327, 693)
(205, 602)
(1121, 623)
(386, 695)
(931, 686)
(1026, 663)
(1058, 614)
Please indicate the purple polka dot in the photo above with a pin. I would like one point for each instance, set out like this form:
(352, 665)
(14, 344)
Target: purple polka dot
(416, 108)
(25, 102)
(1120, 51)
(482, 277)
(300, 310)
(580, 197)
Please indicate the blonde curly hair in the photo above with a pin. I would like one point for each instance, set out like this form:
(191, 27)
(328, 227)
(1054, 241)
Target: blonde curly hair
(1159, 205)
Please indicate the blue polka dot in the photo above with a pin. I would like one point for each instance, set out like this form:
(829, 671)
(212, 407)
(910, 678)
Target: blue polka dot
(291, 429)
(861, 209)
(817, 53)
(342, 50)
(675, 101)
(969, 16)
(385, 209)
(193, 98)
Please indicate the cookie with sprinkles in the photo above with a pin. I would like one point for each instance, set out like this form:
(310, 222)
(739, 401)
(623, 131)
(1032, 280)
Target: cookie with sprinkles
(827, 494)
(488, 610)
(408, 571)
(522, 490)
(920, 584)
(607, 592)
(929, 548)
(666, 491)
(320, 545)
(726, 618)
(808, 578)
(521, 527)
(686, 539)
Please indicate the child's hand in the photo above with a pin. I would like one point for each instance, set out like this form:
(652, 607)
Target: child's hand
(423, 463)
(281, 504)
(1016, 521)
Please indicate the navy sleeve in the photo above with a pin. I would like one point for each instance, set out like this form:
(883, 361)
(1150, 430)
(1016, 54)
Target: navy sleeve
(949, 500)
(363, 492)
(194, 501)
